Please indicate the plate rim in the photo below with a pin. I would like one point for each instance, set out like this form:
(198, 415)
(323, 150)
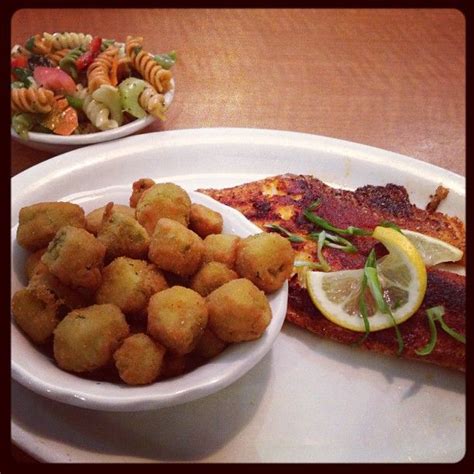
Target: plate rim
(214, 135)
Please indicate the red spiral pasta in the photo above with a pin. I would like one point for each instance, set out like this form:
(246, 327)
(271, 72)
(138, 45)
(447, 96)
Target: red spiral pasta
(34, 100)
(143, 62)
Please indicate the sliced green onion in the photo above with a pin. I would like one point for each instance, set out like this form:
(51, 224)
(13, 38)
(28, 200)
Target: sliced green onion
(291, 237)
(314, 205)
(335, 241)
(326, 225)
(363, 310)
(434, 314)
(324, 264)
(373, 283)
(428, 348)
(454, 334)
(166, 60)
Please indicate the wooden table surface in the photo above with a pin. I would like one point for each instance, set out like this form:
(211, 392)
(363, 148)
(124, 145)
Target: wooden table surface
(393, 79)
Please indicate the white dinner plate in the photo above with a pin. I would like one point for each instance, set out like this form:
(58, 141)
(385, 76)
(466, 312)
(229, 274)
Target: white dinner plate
(308, 400)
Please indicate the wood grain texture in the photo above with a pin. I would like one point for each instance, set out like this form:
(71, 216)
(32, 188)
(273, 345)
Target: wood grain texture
(393, 79)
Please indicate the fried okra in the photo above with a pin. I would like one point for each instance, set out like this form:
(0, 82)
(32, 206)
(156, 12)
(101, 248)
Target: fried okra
(75, 256)
(129, 283)
(175, 365)
(209, 345)
(175, 248)
(35, 316)
(265, 259)
(221, 248)
(177, 318)
(94, 218)
(139, 359)
(39, 222)
(34, 265)
(163, 200)
(205, 221)
(210, 276)
(122, 235)
(86, 338)
(238, 311)
(38, 308)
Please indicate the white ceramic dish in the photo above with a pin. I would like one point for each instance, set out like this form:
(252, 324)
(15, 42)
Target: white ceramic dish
(39, 373)
(61, 144)
(308, 400)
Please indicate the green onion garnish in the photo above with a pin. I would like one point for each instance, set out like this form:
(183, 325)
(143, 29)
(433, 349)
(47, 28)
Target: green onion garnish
(326, 225)
(363, 303)
(436, 313)
(291, 237)
(335, 241)
(324, 264)
(454, 334)
(373, 283)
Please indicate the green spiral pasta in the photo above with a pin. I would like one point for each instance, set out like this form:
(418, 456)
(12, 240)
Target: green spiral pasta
(68, 63)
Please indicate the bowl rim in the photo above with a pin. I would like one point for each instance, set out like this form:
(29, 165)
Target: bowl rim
(237, 358)
(87, 138)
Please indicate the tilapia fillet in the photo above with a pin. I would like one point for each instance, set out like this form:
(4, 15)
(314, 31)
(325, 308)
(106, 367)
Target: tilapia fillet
(282, 199)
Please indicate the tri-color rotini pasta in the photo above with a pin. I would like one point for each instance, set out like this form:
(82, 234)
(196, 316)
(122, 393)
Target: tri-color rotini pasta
(76, 83)
(145, 64)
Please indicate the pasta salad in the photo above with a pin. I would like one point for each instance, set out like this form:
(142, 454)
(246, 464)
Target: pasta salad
(76, 83)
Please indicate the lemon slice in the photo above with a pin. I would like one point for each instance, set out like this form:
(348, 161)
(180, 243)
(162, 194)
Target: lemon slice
(402, 274)
(433, 251)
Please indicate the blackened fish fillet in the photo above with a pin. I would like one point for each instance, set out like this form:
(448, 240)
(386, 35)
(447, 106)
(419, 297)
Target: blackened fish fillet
(282, 200)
